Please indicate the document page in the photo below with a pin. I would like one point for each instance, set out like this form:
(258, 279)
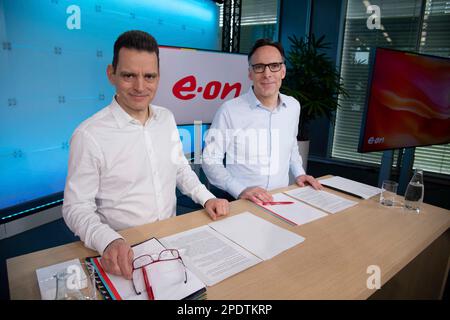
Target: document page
(297, 213)
(321, 199)
(210, 255)
(257, 235)
(353, 187)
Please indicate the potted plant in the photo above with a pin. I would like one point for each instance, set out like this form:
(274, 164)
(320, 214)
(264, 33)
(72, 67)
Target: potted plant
(313, 80)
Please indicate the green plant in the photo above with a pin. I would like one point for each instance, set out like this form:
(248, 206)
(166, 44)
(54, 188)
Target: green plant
(312, 79)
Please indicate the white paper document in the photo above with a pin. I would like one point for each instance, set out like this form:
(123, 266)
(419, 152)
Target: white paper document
(353, 187)
(297, 213)
(321, 199)
(47, 277)
(261, 237)
(210, 255)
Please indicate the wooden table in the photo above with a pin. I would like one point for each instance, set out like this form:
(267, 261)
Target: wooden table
(411, 250)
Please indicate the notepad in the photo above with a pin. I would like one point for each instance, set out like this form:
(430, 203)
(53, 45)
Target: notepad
(297, 213)
(321, 199)
(351, 187)
(166, 284)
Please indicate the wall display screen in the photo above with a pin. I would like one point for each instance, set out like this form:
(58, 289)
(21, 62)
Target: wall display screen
(408, 102)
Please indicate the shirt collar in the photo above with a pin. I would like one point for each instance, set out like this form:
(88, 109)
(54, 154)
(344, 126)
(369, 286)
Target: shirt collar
(123, 118)
(255, 103)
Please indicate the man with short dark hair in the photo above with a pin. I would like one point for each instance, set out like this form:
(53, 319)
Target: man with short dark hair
(257, 131)
(127, 160)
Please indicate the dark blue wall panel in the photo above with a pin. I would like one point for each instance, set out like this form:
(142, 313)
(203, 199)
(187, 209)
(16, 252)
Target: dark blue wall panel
(294, 20)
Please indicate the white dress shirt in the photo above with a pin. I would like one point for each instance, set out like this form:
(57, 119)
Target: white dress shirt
(123, 174)
(260, 144)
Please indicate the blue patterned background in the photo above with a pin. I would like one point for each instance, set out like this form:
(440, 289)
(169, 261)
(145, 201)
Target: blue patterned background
(53, 77)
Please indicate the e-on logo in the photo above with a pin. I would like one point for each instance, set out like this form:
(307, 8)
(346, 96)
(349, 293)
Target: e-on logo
(377, 140)
(210, 91)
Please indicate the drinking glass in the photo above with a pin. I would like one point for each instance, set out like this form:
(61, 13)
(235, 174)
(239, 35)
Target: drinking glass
(388, 193)
(76, 283)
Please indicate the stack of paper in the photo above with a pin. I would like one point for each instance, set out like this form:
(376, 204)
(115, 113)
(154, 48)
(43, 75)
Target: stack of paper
(355, 188)
(224, 248)
(321, 199)
(210, 255)
(297, 213)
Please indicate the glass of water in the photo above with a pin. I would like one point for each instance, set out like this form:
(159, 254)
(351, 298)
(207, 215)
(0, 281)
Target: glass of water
(388, 193)
(77, 282)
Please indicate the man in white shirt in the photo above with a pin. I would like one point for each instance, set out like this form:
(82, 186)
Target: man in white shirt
(257, 131)
(127, 160)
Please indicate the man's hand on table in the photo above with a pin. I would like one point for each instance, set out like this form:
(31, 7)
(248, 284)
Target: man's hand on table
(217, 208)
(117, 259)
(301, 180)
(256, 194)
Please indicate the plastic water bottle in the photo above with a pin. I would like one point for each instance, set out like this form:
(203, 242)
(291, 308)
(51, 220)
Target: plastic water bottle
(414, 192)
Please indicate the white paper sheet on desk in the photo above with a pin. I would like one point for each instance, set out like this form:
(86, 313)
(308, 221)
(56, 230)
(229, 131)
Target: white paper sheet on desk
(210, 255)
(321, 199)
(357, 188)
(261, 237)
(298, 213)
(47, 277)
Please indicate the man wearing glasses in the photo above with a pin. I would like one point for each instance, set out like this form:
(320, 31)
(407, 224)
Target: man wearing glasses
(127, 160)
(257, 131)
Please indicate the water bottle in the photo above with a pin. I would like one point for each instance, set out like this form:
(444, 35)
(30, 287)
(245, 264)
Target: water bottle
(414, 192)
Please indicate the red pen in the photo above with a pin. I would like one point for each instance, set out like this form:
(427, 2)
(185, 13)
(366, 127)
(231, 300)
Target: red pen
(271, 203)
(147, 285)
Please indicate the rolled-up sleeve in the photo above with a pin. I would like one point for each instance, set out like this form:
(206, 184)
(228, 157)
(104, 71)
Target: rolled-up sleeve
(82, 185)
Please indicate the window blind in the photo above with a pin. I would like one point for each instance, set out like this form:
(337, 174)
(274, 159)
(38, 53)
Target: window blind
(435, 40)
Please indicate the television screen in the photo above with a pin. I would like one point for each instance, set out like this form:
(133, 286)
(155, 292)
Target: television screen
(408, 101)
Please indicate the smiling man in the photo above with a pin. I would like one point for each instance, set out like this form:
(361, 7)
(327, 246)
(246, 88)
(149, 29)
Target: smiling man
(257, 131)
(126, 161)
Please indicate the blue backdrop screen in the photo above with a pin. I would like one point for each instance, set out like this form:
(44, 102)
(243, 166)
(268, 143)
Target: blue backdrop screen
(53, 59)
